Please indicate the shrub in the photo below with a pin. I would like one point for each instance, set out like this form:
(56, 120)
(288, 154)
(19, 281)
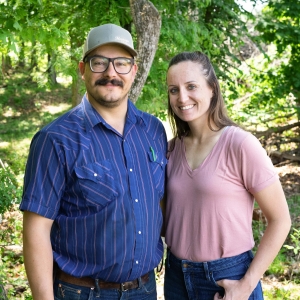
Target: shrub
(10, 193)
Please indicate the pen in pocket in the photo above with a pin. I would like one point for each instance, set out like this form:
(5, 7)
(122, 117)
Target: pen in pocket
(153, 154)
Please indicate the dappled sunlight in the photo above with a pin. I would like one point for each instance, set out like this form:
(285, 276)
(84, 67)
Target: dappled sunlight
(57, 108)
(22, 147)
(10, 113)
(4, 145)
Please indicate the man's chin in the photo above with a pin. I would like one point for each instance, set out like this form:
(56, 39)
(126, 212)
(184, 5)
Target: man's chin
(109, 102)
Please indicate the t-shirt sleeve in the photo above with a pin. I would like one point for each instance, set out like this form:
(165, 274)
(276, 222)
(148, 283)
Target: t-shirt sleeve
(257, 169)
(44, 177)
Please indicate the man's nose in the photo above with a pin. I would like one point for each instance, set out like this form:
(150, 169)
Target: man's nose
(110, 71)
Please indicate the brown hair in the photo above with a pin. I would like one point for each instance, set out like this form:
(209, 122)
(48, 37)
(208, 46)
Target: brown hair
(217, 110)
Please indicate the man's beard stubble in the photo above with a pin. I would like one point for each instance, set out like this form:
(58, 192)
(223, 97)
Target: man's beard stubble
(102, 100)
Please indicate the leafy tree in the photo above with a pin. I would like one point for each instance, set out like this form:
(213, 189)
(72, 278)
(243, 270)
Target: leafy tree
(268, 82)
(215, 27)
(57, 30)
(280, 25)
(10, 193)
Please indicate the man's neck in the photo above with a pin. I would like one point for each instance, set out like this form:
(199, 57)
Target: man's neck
(115, 116)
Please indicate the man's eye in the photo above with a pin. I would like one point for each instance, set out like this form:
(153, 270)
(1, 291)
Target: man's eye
(122, 63)
(99, 63)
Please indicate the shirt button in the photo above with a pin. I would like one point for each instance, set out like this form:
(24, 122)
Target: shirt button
(95, 174)
(136, 261)
(140, 232)
(130, 170)
(136, 200)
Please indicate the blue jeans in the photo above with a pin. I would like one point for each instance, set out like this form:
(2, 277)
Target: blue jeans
(67, 291)
(187, 280)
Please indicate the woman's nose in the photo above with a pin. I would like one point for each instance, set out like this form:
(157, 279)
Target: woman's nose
(183, 95)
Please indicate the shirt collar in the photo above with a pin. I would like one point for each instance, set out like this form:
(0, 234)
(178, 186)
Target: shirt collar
(92, 117)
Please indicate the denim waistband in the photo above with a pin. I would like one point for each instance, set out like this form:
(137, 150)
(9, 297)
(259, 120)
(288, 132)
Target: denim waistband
(213, 265)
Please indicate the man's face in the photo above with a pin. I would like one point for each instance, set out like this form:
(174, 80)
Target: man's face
(109, 88)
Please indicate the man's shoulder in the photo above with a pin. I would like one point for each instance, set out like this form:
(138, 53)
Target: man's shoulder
(153, 124)
(69, 130)
(72, 119)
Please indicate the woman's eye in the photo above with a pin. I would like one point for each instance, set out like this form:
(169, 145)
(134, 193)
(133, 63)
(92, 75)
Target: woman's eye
(191, 87)
(173, 91)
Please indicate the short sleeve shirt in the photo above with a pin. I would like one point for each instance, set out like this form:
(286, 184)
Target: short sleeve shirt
(209, 209)
(102, 190)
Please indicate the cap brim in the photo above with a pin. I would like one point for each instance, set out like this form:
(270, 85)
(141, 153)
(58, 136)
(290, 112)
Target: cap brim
(129, 49)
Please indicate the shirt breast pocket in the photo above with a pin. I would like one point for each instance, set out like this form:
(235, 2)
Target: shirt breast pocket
(158, 167)
(97, 183)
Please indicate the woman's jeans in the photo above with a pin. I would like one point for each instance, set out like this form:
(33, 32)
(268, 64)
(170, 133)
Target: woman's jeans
(67, 291)
(197, 281)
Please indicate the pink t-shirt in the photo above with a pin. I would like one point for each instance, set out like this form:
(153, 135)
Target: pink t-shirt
(209, 209)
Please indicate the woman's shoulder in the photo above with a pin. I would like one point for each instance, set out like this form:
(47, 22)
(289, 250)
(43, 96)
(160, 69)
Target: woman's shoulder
(242, 142)
(238, 136)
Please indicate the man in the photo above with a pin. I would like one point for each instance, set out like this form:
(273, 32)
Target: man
(93, 184)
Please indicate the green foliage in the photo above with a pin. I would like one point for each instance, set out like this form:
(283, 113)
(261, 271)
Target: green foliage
(214, 27)
(10, 193)
(295, 242)
(285, 35)
(278, 294)
(12, 272)
(279, 265)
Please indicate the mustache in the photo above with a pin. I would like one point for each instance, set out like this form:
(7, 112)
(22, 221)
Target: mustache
(104, 81)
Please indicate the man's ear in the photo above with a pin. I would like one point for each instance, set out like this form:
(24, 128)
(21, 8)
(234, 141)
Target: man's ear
(134, 71)
(81, 66)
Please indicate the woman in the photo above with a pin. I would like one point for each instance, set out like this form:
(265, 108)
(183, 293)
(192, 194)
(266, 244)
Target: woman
(215, 172)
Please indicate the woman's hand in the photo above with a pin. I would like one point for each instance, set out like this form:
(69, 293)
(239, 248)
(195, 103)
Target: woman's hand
(234, 290)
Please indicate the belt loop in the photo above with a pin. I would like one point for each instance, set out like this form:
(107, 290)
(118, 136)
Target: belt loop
(206, 270)
(140, 282)
(97, 288)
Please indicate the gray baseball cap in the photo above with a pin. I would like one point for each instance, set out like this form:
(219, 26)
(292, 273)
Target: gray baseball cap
(108, 34)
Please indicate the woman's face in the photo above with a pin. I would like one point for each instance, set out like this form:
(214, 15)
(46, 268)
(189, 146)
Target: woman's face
(189, 92)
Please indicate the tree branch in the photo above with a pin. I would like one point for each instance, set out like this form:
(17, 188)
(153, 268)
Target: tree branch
(278, 129)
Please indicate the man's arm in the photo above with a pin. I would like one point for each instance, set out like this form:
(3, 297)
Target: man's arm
(38, 257)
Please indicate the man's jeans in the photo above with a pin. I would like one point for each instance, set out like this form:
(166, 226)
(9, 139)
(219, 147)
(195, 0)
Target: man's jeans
(67, 291)
(186, 280)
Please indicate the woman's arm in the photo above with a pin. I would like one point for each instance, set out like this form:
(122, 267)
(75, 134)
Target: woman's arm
(272, 202)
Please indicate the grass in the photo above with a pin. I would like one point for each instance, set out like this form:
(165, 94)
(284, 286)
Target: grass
(25, 107)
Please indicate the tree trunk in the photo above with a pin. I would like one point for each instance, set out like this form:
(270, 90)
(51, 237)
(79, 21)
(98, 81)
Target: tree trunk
(34, 56)
(6, 64)
(51, 67)
(2, 292)
(21, 63)
(76, 97)
(147, 22)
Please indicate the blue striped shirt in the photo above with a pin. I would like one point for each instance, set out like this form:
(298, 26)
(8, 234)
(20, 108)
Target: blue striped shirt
(102, 190)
